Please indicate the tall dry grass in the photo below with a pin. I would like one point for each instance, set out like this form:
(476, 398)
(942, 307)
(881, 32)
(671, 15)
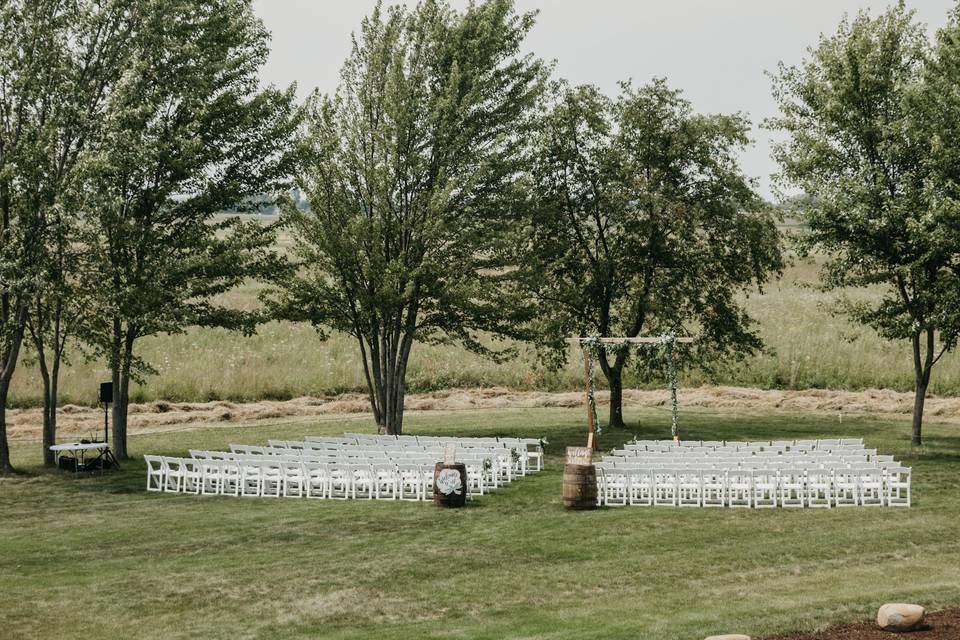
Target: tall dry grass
(808, 347)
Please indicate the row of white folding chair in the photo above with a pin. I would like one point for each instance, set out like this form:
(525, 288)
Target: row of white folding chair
(800, 466)
(734, 462)
(865, 456)
(300, 478)
(505, 463)
(509, 462)
(866, 486)
(697, 443)
(531, 448)
(741, 449)
(503, 466)
(482, 476)
(353, 440)
(627, 449)
(498, 466)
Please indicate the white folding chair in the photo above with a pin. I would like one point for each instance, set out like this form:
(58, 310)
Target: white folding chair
(316, 479)
(173, 476)
(640, 486)
(211, 479)
(192, 475)
(408, 476)
(293, 478)
(739, 487)
(615, 486)
(230, 477)
(363, 481)
(898, 486)
(426, 478)
(156, 473)
(476, 476)
(665, 487)
(385, 480)
(819, 488)
(846, 487)
(870, 485)
(793, 486)
(689, 487)
(251, 477)
(765, 483)
(341, 481)
(713, 483)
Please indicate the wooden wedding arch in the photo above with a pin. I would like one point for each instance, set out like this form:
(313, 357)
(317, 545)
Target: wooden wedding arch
(590, 346)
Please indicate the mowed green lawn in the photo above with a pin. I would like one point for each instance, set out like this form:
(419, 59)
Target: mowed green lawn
(102, 555)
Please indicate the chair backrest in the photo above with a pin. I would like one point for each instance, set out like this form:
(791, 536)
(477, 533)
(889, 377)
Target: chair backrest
(290, 468)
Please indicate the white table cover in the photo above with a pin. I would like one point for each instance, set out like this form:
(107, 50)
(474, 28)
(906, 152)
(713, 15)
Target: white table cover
(79, 446)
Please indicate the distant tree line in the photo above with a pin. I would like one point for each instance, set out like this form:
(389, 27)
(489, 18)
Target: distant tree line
(448, 190)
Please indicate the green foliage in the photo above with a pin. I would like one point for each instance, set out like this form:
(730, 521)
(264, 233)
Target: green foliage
(641, 221)
(407, 171)
(187, 134)
(56, 62)
(867, 117)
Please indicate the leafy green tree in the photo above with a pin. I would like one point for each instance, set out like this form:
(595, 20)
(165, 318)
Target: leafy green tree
(870, 118)
(56, 60)
(407, 172)
(93, 54)
(187, 133)
(640, 221)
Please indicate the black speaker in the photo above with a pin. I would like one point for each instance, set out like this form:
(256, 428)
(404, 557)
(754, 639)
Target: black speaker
(106, 392)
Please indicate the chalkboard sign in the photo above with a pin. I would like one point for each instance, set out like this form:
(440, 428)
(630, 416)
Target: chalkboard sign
(579, 455)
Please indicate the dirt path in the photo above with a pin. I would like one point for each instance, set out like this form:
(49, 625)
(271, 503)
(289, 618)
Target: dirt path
(73, 420)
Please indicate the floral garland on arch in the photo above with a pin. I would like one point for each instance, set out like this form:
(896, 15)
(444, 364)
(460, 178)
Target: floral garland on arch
(592, 345)
(668, 340)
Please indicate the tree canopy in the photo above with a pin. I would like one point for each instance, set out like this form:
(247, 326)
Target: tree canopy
(868, 116)
(640, 220)
(407, 170)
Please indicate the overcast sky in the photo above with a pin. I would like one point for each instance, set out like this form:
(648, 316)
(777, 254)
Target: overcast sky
(716, 51)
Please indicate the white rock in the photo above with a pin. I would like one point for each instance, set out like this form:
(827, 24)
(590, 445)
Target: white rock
(728, 636)
(896, 616)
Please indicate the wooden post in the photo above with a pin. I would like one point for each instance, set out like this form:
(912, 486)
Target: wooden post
(591, 430)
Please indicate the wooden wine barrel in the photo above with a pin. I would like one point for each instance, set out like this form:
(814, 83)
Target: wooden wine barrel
(579, 487)
(449, 484)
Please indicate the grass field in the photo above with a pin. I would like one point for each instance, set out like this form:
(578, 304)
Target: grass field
(102, 552)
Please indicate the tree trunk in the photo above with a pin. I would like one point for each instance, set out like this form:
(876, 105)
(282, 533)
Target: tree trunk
(394, 392)
(121, 382)
(9, 364)
(614, 375)
(389, 348)
(120, 376)
(918, 401)
(5, 467)
(615, 381)
(49, 429)
(54, 387)
(922, 367)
